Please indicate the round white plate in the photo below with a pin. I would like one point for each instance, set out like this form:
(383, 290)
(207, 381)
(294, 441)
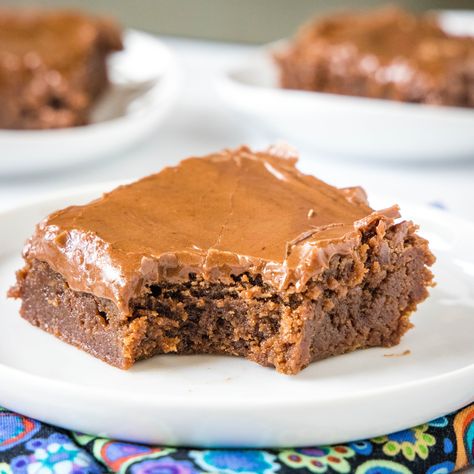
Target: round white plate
(224, 401)
(144, 83)
(356, 127)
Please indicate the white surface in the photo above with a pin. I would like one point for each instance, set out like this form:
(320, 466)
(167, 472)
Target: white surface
(140, 96)
(355, 127)
(210, 401)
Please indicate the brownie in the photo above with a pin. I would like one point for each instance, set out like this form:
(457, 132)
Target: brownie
(52, 66)
(387, 53)
(235, 253)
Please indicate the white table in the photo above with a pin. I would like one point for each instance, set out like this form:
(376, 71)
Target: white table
(199, 124)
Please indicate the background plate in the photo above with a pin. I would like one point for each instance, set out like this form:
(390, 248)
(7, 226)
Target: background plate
(224, 401)
(354, 127)
(144, 83)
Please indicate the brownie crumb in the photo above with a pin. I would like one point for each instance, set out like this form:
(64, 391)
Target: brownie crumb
(400, 354)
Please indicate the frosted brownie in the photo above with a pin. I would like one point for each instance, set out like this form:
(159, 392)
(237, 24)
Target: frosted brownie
(52, 66)
(234, 253)
(387, 53)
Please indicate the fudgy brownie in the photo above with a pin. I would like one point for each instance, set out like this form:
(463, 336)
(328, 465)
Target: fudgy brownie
(387, 53)
(234, 253)
(52, 66)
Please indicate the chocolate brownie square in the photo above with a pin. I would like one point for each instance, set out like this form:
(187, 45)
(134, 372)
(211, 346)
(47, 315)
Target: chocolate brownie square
(52, 66)
(235, 253)
(387, 54)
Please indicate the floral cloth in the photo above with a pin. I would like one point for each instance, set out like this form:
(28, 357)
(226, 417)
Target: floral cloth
(438, 447)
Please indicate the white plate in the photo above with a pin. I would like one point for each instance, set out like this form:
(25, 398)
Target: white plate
(144, 84)
(224, 401)
(351, 126)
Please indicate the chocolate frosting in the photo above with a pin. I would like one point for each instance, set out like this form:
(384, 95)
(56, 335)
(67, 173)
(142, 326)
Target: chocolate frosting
(221, 215)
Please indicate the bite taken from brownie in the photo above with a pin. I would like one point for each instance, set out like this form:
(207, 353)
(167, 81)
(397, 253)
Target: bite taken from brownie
(52, 66)
(235, 253)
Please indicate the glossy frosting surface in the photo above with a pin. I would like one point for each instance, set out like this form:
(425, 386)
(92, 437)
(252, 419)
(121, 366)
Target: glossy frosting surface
(219, 215)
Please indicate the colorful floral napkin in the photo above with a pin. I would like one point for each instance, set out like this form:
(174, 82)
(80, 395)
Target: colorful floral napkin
(438, 447)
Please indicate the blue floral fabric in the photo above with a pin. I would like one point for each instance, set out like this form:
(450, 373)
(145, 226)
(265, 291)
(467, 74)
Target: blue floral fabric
(438, 447)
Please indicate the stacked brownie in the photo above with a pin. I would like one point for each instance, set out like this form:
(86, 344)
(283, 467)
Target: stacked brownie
(235, 253)
(387, 54)
(52, 67)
